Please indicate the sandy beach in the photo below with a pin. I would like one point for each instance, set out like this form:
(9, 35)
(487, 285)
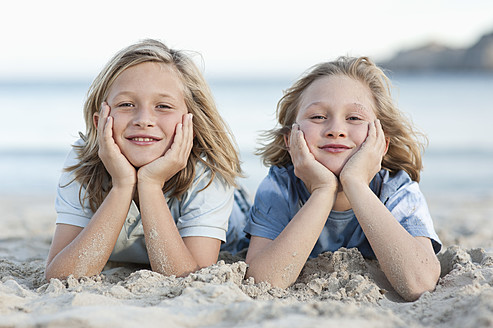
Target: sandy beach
(335, 289)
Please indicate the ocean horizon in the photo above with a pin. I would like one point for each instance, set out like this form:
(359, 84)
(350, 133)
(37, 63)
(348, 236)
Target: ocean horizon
(43, 119)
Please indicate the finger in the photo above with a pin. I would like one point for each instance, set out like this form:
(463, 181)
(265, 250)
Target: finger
(178, 139)
(108, 129)
(297, 138)
(103, 118)
(294, 140)
(372, 131)
(379, 130)
(189, 132)
(380, 135)
(298, 149)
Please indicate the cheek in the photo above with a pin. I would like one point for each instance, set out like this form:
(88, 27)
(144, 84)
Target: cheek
(312, 139)
(360, 135)
(118, 125)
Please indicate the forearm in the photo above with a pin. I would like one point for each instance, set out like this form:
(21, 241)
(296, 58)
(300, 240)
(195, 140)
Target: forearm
(281, 261)
(167, 252)
(89, 251)
(411, 267)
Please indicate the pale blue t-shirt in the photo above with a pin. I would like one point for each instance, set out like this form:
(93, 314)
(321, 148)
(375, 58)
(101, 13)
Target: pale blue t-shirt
(281, 195)
(219, 211)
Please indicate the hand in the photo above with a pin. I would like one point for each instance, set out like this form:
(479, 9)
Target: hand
(174, 160)
(366, 162)
(314, 174)
(117, 165)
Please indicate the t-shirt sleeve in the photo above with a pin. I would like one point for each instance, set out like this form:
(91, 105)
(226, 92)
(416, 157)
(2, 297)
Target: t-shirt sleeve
(272, 210)
(205, 212)
(408, 205)
(67, 204)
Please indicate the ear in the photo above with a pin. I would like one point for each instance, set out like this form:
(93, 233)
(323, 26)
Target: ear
(95, 119)
(286, 140)
(387, 143)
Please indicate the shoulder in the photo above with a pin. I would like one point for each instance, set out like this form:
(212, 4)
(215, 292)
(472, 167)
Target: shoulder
(385, 184)
(72, 156)
(203, 175)
(279, 179)
(281, 188)
(71, 160)
(282, 175)
(205, 188)
(398, 191)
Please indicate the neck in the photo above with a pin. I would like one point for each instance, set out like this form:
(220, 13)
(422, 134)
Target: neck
(341, 203)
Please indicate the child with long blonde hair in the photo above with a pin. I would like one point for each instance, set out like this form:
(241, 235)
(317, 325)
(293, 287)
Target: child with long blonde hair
(153, 179)
(345, 166)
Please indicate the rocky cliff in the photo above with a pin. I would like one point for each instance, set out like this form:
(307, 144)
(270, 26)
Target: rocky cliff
(438, 57)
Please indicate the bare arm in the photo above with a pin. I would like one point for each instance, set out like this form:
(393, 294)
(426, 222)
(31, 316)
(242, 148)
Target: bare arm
(280, 261)
(408, 262)
(84, 252)
(169, 253)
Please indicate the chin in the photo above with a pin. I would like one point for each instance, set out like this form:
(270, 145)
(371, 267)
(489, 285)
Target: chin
(335, 170)
(141, 162)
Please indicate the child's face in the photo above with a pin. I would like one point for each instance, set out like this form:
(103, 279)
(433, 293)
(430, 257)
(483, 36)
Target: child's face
(146, 103)
(334, 114)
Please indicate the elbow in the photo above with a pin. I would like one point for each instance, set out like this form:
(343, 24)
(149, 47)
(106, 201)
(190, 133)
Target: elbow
(417, 285)
(259, 274)
(49, 274)
(414, 293)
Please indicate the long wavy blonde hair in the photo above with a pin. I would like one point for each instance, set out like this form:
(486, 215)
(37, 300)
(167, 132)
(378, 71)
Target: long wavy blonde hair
(406, 143)
(213, 144)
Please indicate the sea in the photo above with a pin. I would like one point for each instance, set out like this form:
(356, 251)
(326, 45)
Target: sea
(41, 119)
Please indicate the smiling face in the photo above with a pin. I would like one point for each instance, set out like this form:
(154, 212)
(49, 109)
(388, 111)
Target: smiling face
(147, 103)
(333, 114)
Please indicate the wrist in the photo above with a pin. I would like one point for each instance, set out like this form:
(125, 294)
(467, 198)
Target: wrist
(325, 190)
(149, 185)
(127, 183)
(352, 183)
(123, 189)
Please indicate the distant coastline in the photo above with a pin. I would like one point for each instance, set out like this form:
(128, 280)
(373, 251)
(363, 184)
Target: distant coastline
(436, 57)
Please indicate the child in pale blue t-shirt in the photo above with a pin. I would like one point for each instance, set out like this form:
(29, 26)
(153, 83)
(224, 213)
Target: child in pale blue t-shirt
(345, 166)
(153, 180)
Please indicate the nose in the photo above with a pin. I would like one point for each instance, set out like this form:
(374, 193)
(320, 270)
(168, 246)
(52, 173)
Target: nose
(144, 117)
(335, 129)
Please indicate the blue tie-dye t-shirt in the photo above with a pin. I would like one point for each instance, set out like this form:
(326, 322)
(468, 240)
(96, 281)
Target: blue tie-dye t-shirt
(281, 195)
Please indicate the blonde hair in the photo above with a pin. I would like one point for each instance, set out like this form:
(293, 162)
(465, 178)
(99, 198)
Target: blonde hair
(213, 144)
(406, 144)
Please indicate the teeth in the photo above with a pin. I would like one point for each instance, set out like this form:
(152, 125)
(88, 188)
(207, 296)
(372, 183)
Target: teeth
(143, 139)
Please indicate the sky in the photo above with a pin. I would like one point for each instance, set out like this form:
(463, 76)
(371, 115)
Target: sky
(58, 39)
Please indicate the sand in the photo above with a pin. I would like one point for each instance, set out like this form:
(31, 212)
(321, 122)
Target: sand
(338, 289)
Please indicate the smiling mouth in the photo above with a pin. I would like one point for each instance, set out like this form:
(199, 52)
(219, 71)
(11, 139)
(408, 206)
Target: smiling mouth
(335, 148)
(140, 139)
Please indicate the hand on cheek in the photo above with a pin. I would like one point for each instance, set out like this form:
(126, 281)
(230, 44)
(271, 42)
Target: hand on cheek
(306, 167)
(366, 162)
(174, 159)
(117, 165)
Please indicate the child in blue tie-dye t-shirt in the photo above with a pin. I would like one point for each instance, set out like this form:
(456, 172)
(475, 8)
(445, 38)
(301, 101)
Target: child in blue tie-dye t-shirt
(345, 166)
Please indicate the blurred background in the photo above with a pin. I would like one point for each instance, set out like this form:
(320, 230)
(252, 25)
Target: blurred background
(439, 55)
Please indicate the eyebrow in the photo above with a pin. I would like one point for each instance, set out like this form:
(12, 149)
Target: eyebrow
(354, 104)
(132, 93)
(360, 107)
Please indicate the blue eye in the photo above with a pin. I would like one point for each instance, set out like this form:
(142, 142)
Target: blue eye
(318, 117)
(354, 118)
